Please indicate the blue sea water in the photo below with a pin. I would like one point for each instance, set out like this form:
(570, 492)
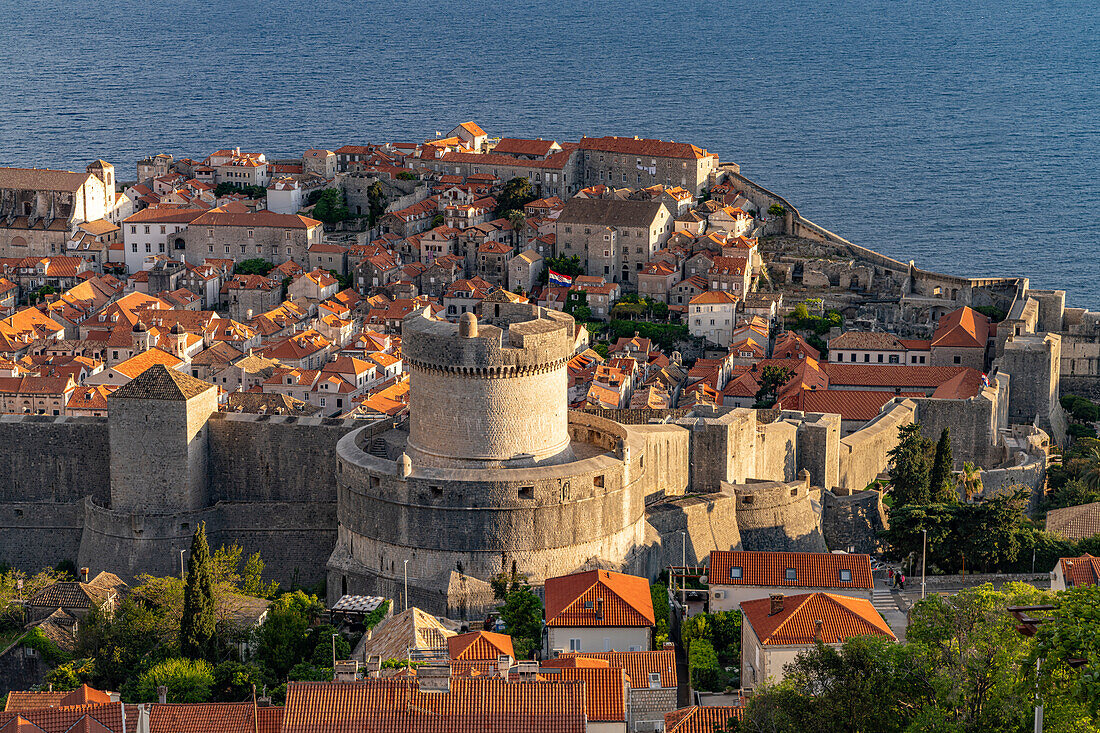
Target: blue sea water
(964, 134)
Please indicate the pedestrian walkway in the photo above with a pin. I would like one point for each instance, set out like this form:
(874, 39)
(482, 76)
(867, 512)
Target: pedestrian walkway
(888, 602)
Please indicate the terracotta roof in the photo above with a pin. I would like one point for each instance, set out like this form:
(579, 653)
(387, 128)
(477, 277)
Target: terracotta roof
(843, 617)
(158, 382)
(269, 719)
(573, 600)
(41, 179)
(610, 212)
(891, 375)
(216, 717)
(702, 719)
(264, 218)
(484, 705)
(473, 128)
(156, 215)
(962, 328)
(867, 340)
(850, 404)
(1084, 570)
(73, 594)
(642, 147)
(410, 629)
(479, 645)
(714, 297)
(1075, 522)
(518, 146)
(638, 665)
(812, 569)
(63, 719)
(20, 701)
(605, 690)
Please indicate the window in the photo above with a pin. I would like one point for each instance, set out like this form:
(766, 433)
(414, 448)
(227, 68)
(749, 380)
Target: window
(791, 574)
(845, 575)
(251, 233)
(736, 573)
(866, 357)
(880, 358)
(893, 358)
(575, 645)
(597, 481)
(146, 228)
(654, 678)
(958, 359)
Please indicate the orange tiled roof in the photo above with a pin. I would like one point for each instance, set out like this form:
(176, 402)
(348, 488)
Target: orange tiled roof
(842, 618)
(605, 690)
(481, 704)
(812, 569)
(643, 147)
(638, 665)
(479, 645)
(1075, 522)
(701, 719)
(572, 600)
(1084, 570)
(892, 375)
(217, 717)
(105, 716)
(962, 328)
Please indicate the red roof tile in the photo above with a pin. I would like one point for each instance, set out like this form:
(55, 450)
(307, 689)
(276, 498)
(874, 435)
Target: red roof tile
(842, 618)
(574, 600)
(479, 645)
(701, 719)
(638, 665)
(1084, 570)
(812, 569)
(962, 328)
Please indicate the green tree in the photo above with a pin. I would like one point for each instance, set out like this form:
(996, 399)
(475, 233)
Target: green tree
(233, 681)
(254, 266)
(331, 207)
(772, 379)
(283, 640)
(197, 625)
(970, 480)
(868, 685)
(910, 464)
(187, 680)
(941, 481)
(437, 221)
(522, 616)
(71, 675)
(516, 194)
(777, 210)
(1070, 648)
(376, 203)
(406, 176)
(518, 221)
(1072, 493)
(253, 579)
(704, 671)
(658, 593)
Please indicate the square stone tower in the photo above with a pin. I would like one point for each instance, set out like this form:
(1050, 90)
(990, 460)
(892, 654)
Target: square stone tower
(158, 436)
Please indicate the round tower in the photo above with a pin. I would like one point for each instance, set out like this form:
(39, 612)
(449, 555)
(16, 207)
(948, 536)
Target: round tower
(488, 393)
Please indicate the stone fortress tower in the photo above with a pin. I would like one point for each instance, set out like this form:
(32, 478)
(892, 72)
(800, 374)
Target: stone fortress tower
(492, 473)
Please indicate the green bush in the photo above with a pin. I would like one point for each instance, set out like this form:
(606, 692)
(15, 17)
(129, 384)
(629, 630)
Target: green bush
(777, 210)
(1080, 430)
(50, 652)
(187, 680)
(703, 669)
(1081, 409)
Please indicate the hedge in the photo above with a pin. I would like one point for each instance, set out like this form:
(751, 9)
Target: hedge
(703, 669)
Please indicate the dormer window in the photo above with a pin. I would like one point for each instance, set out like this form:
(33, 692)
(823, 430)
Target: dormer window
(791, 574)
(845, 575)
(736, 573)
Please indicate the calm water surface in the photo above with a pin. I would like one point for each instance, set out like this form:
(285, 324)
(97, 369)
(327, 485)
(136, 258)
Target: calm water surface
(962, 134)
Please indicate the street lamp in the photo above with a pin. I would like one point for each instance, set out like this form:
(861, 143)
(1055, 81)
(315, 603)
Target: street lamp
(406, 585)
(334, 653)
(683, 568)
(181, 563)
(923, 560)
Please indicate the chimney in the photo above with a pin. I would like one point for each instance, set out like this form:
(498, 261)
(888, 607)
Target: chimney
(84, 575)
(434, 677)
(599, 609)
(528, 671)
(817, 630)
(504, 663)
(346, 670)
(162, 694)
(776, 603)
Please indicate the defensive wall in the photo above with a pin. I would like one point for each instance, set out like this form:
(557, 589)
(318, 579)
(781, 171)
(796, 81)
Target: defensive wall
(709, 522)
(778, 515)
(271, 491)
(975, 422)
(853, 519)
(864, 453)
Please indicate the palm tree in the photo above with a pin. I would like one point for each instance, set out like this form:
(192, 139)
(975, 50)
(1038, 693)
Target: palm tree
(1091, 470)
(970, 480)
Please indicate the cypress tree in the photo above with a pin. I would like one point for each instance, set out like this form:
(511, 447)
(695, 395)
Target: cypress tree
(911, 461)
(197, 626)
(941, 484)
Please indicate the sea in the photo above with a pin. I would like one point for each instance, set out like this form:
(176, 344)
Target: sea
(963, 134)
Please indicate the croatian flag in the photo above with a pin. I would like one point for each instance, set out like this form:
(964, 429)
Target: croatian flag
(560, 281)
(985, 380)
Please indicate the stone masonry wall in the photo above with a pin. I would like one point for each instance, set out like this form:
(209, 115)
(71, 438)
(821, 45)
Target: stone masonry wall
(863, 454)
(53, 459)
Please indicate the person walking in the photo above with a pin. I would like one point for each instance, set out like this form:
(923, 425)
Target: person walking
(901, 581)
(890, 577)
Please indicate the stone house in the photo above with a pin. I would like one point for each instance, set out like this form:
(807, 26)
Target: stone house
(328, 256)
(440, 274)
(613, 238)
(524, 270)
(637, 162)
(867, 347)
(316, 285)
(30, 395)
(77, 598)
(737, 576)
(233, 233)
(698, 264)
(777, 629)
(598, 611)
(656, 280)
(712, 315)
(1074, 572)
(320, 162)
(961, 338)
(598, 295)
(492, 262)
(247, 296)
(730, 274)
(438, 242)
(682, 292)
(554, 175)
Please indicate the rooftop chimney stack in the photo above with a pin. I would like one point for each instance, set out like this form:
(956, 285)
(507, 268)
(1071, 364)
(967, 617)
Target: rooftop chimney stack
(162, 694)
(434, 677)
(777, 603)
(817, 630)
(599, 609)
(84, 575)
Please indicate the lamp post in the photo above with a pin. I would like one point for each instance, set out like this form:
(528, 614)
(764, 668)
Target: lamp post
(923, 560)
(334, 653)
(683, 565)
(406, 585)
(181, 563)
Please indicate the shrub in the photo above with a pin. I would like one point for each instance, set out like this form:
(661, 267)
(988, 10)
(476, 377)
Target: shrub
(777, 210)
(187, 680)
(703, 669)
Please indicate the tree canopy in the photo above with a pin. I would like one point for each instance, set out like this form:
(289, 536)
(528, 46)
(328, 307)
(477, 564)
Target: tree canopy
(516, 194)
(197, 625)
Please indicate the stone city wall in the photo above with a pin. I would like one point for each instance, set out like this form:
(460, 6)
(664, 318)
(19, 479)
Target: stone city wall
(853, 520)
(863, 454)
(774, 515)
(54, 459)
(710, 521)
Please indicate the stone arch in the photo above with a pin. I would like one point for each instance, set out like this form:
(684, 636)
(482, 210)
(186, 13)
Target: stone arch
(18, 242)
